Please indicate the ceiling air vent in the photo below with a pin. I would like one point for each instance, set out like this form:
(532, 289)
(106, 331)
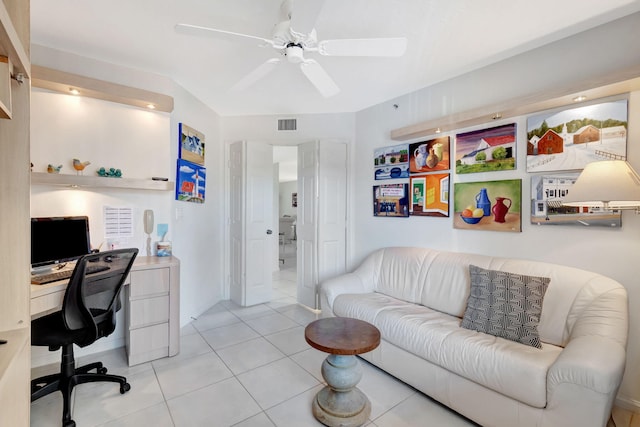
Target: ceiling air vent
(287, 124)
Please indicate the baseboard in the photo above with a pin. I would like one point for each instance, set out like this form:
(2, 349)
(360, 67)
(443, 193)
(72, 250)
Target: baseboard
(627, 403)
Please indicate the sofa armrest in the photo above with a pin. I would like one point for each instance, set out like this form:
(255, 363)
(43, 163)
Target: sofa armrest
(349, 283)
(593, 362)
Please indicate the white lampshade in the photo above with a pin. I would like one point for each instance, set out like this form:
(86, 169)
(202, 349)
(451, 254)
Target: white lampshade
(608, 184)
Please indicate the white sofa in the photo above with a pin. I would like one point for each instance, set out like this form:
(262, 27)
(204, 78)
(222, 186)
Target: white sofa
(417, 298)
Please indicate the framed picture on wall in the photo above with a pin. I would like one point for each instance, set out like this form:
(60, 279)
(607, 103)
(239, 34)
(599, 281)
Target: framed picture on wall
(191, 144)
(429, 195)
(429, 156)
(390, 200)
(391, 162)
(488, 205)
(486, 150)
(190, 182)
(547, 193)
(572, 138)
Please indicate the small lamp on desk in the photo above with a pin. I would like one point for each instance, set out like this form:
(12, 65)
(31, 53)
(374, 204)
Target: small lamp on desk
(606, 185)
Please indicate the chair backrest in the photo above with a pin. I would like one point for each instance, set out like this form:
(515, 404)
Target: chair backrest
(91, 300)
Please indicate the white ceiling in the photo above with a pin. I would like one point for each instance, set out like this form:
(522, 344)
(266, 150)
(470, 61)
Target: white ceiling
(445, 38)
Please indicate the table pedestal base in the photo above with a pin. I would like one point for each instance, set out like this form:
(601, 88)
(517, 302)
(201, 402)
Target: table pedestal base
(340, 403)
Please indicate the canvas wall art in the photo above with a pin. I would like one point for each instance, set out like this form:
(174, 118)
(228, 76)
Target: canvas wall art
(429, 156)
(486, 150)
(390, 200)
(191, 144)
(391, 162)
(574, 137)
(547, 193)
(488, 205)
(429, 195)
(190, 182)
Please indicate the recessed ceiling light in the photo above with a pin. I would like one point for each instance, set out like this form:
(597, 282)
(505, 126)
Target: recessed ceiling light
(151, 106)
(438, 130)
(579, 98)
(74, 91)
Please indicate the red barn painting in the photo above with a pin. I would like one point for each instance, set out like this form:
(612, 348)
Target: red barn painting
(550, 143)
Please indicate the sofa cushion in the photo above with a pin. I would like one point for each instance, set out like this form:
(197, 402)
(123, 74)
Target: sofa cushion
(505, 305)
(437, 337)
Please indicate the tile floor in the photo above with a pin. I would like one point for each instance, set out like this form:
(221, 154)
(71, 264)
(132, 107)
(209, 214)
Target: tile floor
(242, 367)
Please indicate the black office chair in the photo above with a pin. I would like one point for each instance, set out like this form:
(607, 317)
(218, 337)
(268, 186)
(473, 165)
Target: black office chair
(88, 313)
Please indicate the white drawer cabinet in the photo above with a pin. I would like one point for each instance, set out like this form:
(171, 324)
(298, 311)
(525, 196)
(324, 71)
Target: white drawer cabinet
(152, 329)
(148, 311)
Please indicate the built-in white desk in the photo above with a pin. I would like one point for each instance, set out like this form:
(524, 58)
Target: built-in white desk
(151, 300)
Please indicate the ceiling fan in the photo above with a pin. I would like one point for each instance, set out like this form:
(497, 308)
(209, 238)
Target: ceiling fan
(294, 36)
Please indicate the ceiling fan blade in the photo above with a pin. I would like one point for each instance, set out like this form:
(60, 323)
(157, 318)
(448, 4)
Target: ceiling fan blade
(304, 14)
(262, 70)
(195, 30)
(319, 78)
(363, 47)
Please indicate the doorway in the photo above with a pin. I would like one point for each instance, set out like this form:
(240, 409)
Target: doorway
(320, 224)
(286, 204)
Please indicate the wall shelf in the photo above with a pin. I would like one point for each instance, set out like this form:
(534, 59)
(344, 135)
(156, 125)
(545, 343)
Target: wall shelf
(67, 180)
(60, 81)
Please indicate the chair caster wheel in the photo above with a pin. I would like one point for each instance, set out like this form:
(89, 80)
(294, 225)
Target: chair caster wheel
(102, 371)
(70, 423)
(125, 388)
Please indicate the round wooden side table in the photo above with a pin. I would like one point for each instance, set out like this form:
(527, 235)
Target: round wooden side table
(341, 403)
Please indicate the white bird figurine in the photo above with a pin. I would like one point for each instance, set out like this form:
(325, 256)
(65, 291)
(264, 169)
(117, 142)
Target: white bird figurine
(79, 166)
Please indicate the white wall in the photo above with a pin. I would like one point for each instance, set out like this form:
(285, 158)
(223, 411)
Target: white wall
(142, 144)
(286, 190)
(64, 127)
(612, 252)
(198, 239)
(310, 127)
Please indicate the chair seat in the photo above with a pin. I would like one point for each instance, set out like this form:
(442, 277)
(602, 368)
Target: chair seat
(50, 331)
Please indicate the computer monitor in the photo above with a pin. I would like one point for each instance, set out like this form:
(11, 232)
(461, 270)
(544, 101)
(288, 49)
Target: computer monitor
(57, 240)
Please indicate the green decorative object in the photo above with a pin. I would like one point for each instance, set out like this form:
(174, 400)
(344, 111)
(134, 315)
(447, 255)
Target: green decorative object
(109, 173)
(53, 169)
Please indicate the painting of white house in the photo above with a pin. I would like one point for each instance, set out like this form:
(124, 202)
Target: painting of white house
(391, 162)
(572, 138)
(191, 144)
(486, 150)
(547, 194)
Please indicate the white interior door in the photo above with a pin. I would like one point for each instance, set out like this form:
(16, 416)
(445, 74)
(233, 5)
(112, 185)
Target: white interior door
(321, 222)
(332, 209)
(251, 222)
(306, 224)
(236, 222)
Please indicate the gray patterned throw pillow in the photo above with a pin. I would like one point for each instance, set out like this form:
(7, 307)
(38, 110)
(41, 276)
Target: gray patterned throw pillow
(505, 305)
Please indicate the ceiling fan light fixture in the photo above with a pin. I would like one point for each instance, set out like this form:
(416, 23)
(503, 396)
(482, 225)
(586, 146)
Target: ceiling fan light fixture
(294, 53)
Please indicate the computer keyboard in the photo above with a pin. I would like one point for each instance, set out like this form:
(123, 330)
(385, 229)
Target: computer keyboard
(41, 279)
